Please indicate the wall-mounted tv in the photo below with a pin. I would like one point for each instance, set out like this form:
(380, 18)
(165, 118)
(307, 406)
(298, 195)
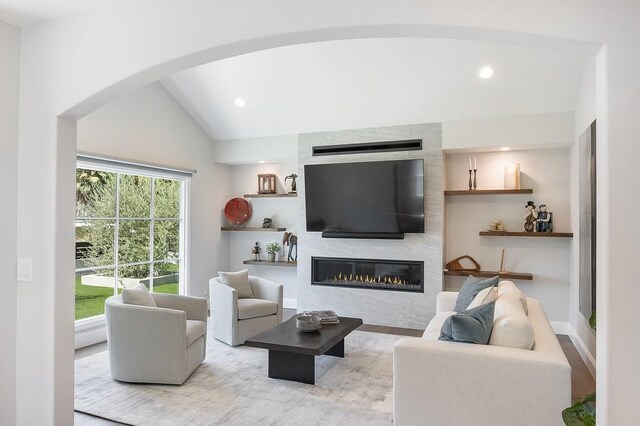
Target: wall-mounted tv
(366, 199)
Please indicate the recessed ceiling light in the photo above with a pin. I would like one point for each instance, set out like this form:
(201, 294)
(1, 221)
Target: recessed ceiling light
(505, 148)
(240, 102)
(486, 72)
(261, 161)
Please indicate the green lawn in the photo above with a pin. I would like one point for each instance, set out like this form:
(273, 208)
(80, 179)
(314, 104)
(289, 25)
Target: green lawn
(90, 299)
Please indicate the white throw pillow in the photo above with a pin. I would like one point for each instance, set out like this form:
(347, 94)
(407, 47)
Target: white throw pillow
(138, 295)
(511, 326)
(485, 296)
(238, 281)
(509, 287)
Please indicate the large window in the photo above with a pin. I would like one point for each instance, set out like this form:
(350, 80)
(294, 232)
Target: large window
(129, 230)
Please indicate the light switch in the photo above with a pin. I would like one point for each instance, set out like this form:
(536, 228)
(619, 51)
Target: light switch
(25, 270)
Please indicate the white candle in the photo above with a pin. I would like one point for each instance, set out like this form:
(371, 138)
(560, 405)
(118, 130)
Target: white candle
(469, 163)
(475, 160)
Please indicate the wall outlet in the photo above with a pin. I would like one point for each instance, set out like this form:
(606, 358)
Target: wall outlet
(25, 270)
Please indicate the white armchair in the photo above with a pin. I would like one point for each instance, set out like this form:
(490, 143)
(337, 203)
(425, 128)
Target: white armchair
(235, 320)
(162, 344)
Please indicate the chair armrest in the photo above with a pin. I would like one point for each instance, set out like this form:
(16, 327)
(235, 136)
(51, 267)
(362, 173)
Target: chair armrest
(477, 384)
(142, 338)
(446, 301)
(268, 290)
(224, 309)
(195, 307)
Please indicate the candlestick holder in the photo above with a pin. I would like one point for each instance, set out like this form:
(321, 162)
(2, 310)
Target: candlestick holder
(470, 181)
(475, 181)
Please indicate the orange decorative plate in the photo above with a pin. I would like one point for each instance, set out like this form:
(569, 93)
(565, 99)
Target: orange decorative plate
(237, 211)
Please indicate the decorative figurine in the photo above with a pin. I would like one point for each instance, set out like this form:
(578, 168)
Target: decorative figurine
(292, 241)
(293, 177)
(455, 264)
(267, 222)
(530, 216)
(256, 251)
(544, 221)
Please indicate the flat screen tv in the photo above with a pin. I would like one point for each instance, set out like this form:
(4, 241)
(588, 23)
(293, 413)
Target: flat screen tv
(382, 197)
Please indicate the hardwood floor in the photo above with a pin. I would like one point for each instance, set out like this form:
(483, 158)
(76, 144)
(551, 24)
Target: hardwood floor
(582, 383)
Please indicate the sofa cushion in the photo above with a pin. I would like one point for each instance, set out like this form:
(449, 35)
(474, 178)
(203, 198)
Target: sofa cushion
(470, 289)
(138, 295)
(433, 328)
(471, 326)
(485, 296)
(510, 287)
(253, 308)
(239, 281)
(511, 326)
(195, 330)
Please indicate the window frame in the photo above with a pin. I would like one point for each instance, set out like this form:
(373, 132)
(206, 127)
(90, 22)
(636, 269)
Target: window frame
(183, 219)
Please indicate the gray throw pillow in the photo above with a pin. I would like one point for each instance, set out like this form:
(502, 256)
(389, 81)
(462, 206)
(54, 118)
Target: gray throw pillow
(471, 287)
(472, 326)
(138, 295)
(239, 281)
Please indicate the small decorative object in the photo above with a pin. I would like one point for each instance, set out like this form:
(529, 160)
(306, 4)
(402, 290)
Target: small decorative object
(455, 264)
(272, 249)
(496, 226)
(502, 270)
(294, 187)
(470, 178)
(308, 324)
(267, 183)
(256, 251)
(267, 222)
(544, 221)
(530, 216)
(473, 181)
(292, 241)
(512, 176)
(237, 211)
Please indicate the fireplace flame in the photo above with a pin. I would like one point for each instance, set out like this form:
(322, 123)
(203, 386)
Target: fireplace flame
(366, 279)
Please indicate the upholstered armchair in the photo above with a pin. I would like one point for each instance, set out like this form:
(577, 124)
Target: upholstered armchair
(162, 344)
(235, 319)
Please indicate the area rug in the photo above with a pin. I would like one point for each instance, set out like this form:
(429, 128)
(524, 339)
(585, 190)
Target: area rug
(232, 388)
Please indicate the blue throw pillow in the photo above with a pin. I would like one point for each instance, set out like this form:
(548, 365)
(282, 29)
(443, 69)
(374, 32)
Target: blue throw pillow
(471, 287)
(472, 326)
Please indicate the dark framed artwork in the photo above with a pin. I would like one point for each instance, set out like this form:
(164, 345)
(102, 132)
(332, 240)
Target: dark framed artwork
(588, 220)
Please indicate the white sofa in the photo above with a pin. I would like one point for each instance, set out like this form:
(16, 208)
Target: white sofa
(449, 383)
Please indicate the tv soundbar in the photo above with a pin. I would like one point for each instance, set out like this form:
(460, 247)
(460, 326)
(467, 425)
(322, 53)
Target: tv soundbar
(365, 235)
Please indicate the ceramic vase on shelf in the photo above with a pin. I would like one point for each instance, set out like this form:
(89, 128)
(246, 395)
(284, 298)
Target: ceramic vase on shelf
(512, 176)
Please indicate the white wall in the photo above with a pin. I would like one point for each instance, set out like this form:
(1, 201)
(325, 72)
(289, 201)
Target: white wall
(74, 65)
(9, 79)
(283, 211)
(150, 126)
(271, 149)
(585, 337)
(546, 171)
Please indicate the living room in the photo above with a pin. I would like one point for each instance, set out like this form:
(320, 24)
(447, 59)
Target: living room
(504, 128)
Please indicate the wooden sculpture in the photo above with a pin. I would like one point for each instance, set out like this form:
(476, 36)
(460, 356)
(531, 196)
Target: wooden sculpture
(455, 264)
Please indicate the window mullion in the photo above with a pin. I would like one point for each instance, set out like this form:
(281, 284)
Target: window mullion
(152, 212)
(116, 234)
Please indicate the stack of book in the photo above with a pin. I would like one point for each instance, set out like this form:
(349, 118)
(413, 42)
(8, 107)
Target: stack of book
(326, 317)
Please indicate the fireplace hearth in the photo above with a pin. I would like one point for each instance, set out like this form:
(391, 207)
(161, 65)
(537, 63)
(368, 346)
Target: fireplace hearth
(374, 274)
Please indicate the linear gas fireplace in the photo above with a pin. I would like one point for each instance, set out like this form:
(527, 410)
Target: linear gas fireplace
(376, 274)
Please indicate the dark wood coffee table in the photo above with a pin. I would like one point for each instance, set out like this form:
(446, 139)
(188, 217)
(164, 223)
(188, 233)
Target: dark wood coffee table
(292, 353)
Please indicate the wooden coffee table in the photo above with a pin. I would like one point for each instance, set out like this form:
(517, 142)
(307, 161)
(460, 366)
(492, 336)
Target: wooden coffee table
(292, 353)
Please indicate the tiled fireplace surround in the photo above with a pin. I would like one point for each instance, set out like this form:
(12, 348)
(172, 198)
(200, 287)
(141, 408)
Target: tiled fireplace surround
(392, 308)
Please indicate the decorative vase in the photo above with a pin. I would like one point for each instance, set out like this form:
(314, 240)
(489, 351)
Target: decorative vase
(272, 257)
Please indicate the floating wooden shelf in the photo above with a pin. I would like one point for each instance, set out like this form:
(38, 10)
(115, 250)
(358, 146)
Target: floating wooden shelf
(241, 229)
(270, 195)
(488, 191)
(526, 234)
(267, 263)
(489, 274)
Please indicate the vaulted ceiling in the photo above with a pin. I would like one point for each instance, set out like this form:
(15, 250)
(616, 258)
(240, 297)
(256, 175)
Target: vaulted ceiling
(374, 82)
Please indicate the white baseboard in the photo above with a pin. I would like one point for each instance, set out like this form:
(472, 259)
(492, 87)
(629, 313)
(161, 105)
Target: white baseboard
(589, 361)
(290, 303)
(87, 336)
(561, 327)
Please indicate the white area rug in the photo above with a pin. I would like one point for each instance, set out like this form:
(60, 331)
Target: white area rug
(232, 388)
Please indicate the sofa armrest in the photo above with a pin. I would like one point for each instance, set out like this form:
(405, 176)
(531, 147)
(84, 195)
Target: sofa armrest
(458, 383)
(224, 309)
(446, 301)
(195, 307)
